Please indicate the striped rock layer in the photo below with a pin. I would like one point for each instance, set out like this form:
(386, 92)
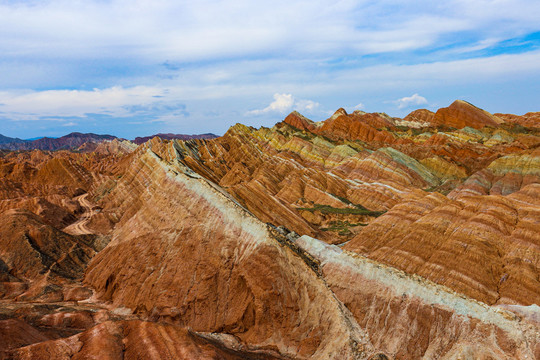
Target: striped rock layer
(359, 237)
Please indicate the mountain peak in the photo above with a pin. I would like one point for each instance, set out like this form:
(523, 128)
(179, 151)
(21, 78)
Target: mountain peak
(299, 121)
(339, 112)
(462, 113)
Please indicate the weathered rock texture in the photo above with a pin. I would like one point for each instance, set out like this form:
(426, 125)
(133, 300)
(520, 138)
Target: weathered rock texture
(250, 285)
(136, 340)
(359, 237)
(461, 114)
(411, 317)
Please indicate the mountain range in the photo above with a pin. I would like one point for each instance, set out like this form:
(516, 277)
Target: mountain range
(74, 140)
(363, 236)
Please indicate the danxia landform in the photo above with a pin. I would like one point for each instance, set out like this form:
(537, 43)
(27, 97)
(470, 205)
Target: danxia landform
(363, 236)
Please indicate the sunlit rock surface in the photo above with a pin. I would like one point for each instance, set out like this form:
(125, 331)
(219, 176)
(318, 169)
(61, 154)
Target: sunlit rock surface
(362, 236)
(461, 114)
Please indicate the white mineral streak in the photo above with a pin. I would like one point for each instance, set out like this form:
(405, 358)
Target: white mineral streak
(413, 285)
(215, 196)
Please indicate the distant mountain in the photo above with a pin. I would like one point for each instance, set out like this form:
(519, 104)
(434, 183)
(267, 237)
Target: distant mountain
(76, 139)
(70, 141)
(37, 138)
(362, 236)
(7, 140)
(142, 140)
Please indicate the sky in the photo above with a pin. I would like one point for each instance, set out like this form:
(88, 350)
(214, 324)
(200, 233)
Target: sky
(135, 67)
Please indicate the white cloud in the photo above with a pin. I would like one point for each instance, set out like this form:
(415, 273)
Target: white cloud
(226, 54)
(306, 105)
(407, 101)
(284, 103)
(465, 72)
(196, 30)
(115, 101)
(251, 82)
(358, 106)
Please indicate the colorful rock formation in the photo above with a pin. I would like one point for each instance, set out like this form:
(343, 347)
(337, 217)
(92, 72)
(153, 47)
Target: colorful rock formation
(461, 114)
(359, 237)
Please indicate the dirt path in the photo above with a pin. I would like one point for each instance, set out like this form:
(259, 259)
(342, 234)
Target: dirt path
(79, 227)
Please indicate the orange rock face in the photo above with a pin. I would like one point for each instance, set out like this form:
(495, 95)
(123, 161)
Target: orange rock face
(250, 273)
(531, 120)
(409, 317)
(137, 340)
(365, 127)
(421, 116)
(38, 256)
(489, 237)
(299, 121)
(359, 237)
(461, 114)
(16, 333)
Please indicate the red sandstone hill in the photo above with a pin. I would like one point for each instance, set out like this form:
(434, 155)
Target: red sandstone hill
(359, 237)
(531, 119)
(461, 114)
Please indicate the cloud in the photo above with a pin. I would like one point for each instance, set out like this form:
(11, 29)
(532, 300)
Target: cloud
(249, 81)
(306, 105)
(407, 101)
(169, 32)
(117, 101)
(464, 72)
(284, 103)
(168, 61)
(358, 106)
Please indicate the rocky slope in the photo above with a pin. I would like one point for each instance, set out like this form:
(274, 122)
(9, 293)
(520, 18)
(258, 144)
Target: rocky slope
(250, 273)
(462, 114)
(359, 237)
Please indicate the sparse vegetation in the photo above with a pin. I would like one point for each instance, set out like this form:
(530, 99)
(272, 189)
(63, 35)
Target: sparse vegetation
(402, 128)
(348, 202)
(357, 210)
(516, 129)
(341, 227)
(303, 135)
(343, 199)
(445, 128)
(438, 189)
(333, 142)
(420, 131)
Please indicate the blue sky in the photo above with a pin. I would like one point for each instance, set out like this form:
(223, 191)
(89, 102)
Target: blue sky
(132, 68)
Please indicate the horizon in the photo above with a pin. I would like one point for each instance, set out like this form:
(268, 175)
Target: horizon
(133, 68)
(231, 125)
(118, 137)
